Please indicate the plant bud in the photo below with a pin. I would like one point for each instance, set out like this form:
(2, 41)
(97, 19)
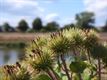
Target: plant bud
(17, 64)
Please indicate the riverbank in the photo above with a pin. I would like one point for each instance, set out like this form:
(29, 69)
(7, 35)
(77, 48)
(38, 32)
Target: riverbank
(22, 37)
(12, 44)
(19, 40)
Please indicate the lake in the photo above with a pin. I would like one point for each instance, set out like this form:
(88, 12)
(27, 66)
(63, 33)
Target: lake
(10, 56)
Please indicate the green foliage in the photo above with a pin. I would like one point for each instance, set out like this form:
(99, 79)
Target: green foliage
(85, 20)
(78, 66)
(7, 27)
(31, 31)
(104, 28)
(13, 44)
(42, 77)
(23, 26)
(98, 51)
(105, 61)
(37, 24)
(68, 26)
(52, 26)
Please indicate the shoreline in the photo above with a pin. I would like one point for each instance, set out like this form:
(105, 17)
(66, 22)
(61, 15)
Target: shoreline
(27, 37)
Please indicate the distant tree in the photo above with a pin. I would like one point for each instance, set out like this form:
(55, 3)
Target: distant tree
(104, 28)
(23, 26)
(6, 27)
(52, 26)
(68, 26)
(37, 24)
(85, 20)
(30, 30)
(1, 28)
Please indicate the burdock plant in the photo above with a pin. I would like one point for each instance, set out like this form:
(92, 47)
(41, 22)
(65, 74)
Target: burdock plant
(15, 72)
(41, 58)
(95, 49)
(60, 45)
(76, 38)
(44, 54)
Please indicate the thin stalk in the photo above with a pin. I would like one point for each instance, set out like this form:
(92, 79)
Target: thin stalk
(80, 77)
(71, 75)
(89, 58)
(58, 62)
(74, 52)
(99, 68)
(52, 76)
(65, 67)
(54, 73)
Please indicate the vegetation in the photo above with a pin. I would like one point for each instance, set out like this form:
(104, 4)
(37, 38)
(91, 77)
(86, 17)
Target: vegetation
(7, 28)
(23, 26)
(37, 24)
(85, 20)
(52, 26)
(104, 28)
(13, 44)
(70, 54)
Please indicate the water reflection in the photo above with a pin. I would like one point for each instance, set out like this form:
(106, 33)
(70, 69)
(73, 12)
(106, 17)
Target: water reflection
(10, 56)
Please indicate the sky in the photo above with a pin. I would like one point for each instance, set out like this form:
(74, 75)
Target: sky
(61, 11)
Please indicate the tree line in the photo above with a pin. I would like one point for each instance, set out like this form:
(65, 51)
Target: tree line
(24, 27)
(84, 20)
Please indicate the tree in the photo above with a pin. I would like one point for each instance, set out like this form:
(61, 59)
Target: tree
(85, 20)
(104, 29)
(68, 26)
(7, 27)
(0, 28)
(23, 26)
(37, 24)
(52, 26)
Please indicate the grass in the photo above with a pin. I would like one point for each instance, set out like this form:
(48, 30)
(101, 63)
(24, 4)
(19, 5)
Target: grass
(13, 44)
(18, 40)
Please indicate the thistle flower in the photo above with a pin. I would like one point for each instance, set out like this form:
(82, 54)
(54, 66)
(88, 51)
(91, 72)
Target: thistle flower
(91, 39)
(59, 44)
(18, 65)
(43, 59)
(75, 36)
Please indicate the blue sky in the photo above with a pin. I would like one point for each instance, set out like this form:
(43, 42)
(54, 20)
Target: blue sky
(61, 11)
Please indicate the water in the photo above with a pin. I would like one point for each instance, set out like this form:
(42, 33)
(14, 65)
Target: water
(10, 56)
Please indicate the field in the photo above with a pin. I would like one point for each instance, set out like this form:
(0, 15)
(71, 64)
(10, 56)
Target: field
(5, 37)
(16, 37)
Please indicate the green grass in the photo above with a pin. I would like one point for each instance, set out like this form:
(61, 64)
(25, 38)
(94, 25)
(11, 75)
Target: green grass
(15, 44)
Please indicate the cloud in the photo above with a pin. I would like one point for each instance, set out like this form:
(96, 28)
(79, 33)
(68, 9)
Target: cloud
(50, 1)
(13, 20)
(21, 7)
(60, 20)
(67, 20)
(13, 11)
(21, 3)
(99, 7)
(51, 17)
